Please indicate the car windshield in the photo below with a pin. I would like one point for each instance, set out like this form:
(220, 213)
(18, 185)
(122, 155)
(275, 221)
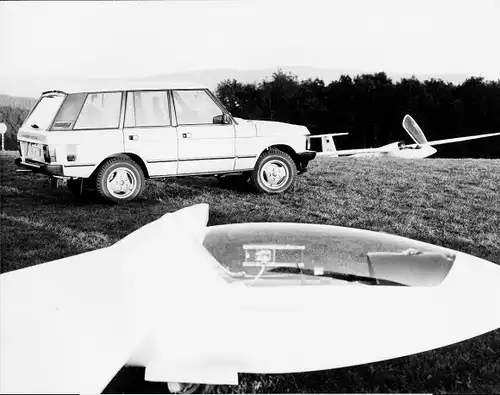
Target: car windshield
(44, 111)
(281, 254)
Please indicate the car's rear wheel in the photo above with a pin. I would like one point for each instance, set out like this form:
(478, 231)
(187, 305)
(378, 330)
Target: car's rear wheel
(274, 172)
(120, 180)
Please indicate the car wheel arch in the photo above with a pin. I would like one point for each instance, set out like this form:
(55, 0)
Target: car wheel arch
(286, 149)
(136, 158)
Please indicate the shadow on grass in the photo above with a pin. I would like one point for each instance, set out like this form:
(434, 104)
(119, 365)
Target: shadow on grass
(97, 201)
(233, 183)
(64, 198)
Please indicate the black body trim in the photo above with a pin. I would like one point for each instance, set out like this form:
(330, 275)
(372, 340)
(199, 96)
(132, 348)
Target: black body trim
(82, 165)
(303, 160)
(246, 156)
(215, 158)
(56, 170)
(162, 161)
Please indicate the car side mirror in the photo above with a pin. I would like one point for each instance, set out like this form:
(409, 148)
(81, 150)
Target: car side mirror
(222, 119)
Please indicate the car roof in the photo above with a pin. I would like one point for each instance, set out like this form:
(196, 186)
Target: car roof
(125, 85)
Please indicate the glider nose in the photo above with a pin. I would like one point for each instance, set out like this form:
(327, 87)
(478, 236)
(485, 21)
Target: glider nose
(431, 150)
(427, 150)
(474, 275)
(474, 285)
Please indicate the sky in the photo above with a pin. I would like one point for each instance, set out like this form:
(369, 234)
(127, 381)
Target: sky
(43, 40)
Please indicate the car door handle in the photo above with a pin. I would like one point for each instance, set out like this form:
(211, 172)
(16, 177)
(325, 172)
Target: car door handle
(186, 135)
(133, 137)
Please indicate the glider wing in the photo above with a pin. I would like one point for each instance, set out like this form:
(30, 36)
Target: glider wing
(69, 325)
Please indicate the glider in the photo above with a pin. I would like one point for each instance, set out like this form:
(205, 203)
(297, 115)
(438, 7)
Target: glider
(197, 305)
(421, 149)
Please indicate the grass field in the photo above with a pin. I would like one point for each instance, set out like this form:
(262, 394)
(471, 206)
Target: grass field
(452, 203)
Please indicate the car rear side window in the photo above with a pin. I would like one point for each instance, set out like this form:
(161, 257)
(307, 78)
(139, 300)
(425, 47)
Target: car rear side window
(66, 117)
(100, 111)
(147, 109)
(195, 107)
(44, 112)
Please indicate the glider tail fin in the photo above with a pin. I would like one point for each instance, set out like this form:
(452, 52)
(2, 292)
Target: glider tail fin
(327, 143)
(414, 130)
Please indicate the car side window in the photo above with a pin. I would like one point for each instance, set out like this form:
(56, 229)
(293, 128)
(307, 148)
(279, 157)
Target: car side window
(66, 117)
(100, 111)
(147, 109)
(195, 107)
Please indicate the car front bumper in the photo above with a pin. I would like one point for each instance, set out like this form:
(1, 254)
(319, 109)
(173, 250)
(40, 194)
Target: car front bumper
(303, 160)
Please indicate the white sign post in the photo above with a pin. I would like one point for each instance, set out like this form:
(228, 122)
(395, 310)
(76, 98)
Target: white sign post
(3, 129)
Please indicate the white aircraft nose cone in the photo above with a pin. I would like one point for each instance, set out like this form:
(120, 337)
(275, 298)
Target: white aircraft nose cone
(474, 285)
(429, 150)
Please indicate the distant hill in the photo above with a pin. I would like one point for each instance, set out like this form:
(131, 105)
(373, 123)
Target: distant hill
(34, 85)
(25, 103)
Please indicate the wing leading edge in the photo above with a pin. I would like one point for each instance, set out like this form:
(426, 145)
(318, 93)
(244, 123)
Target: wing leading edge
(464, 138)
(418, 136)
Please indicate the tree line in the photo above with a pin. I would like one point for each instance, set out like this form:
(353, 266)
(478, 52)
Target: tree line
(371, 107)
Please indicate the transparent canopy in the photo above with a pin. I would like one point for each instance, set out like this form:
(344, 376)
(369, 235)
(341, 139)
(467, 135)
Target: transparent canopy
(281, 254)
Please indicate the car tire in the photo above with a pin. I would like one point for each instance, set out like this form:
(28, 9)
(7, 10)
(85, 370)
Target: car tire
(274, 172)
(120, 180)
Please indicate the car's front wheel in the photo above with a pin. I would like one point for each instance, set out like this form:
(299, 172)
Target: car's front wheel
(120, 180)
(274, 172)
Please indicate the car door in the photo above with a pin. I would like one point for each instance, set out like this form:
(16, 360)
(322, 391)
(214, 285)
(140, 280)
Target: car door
(206, 144)
(149, 133)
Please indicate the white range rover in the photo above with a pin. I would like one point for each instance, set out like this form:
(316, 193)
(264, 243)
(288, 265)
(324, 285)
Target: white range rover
(112, 140)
